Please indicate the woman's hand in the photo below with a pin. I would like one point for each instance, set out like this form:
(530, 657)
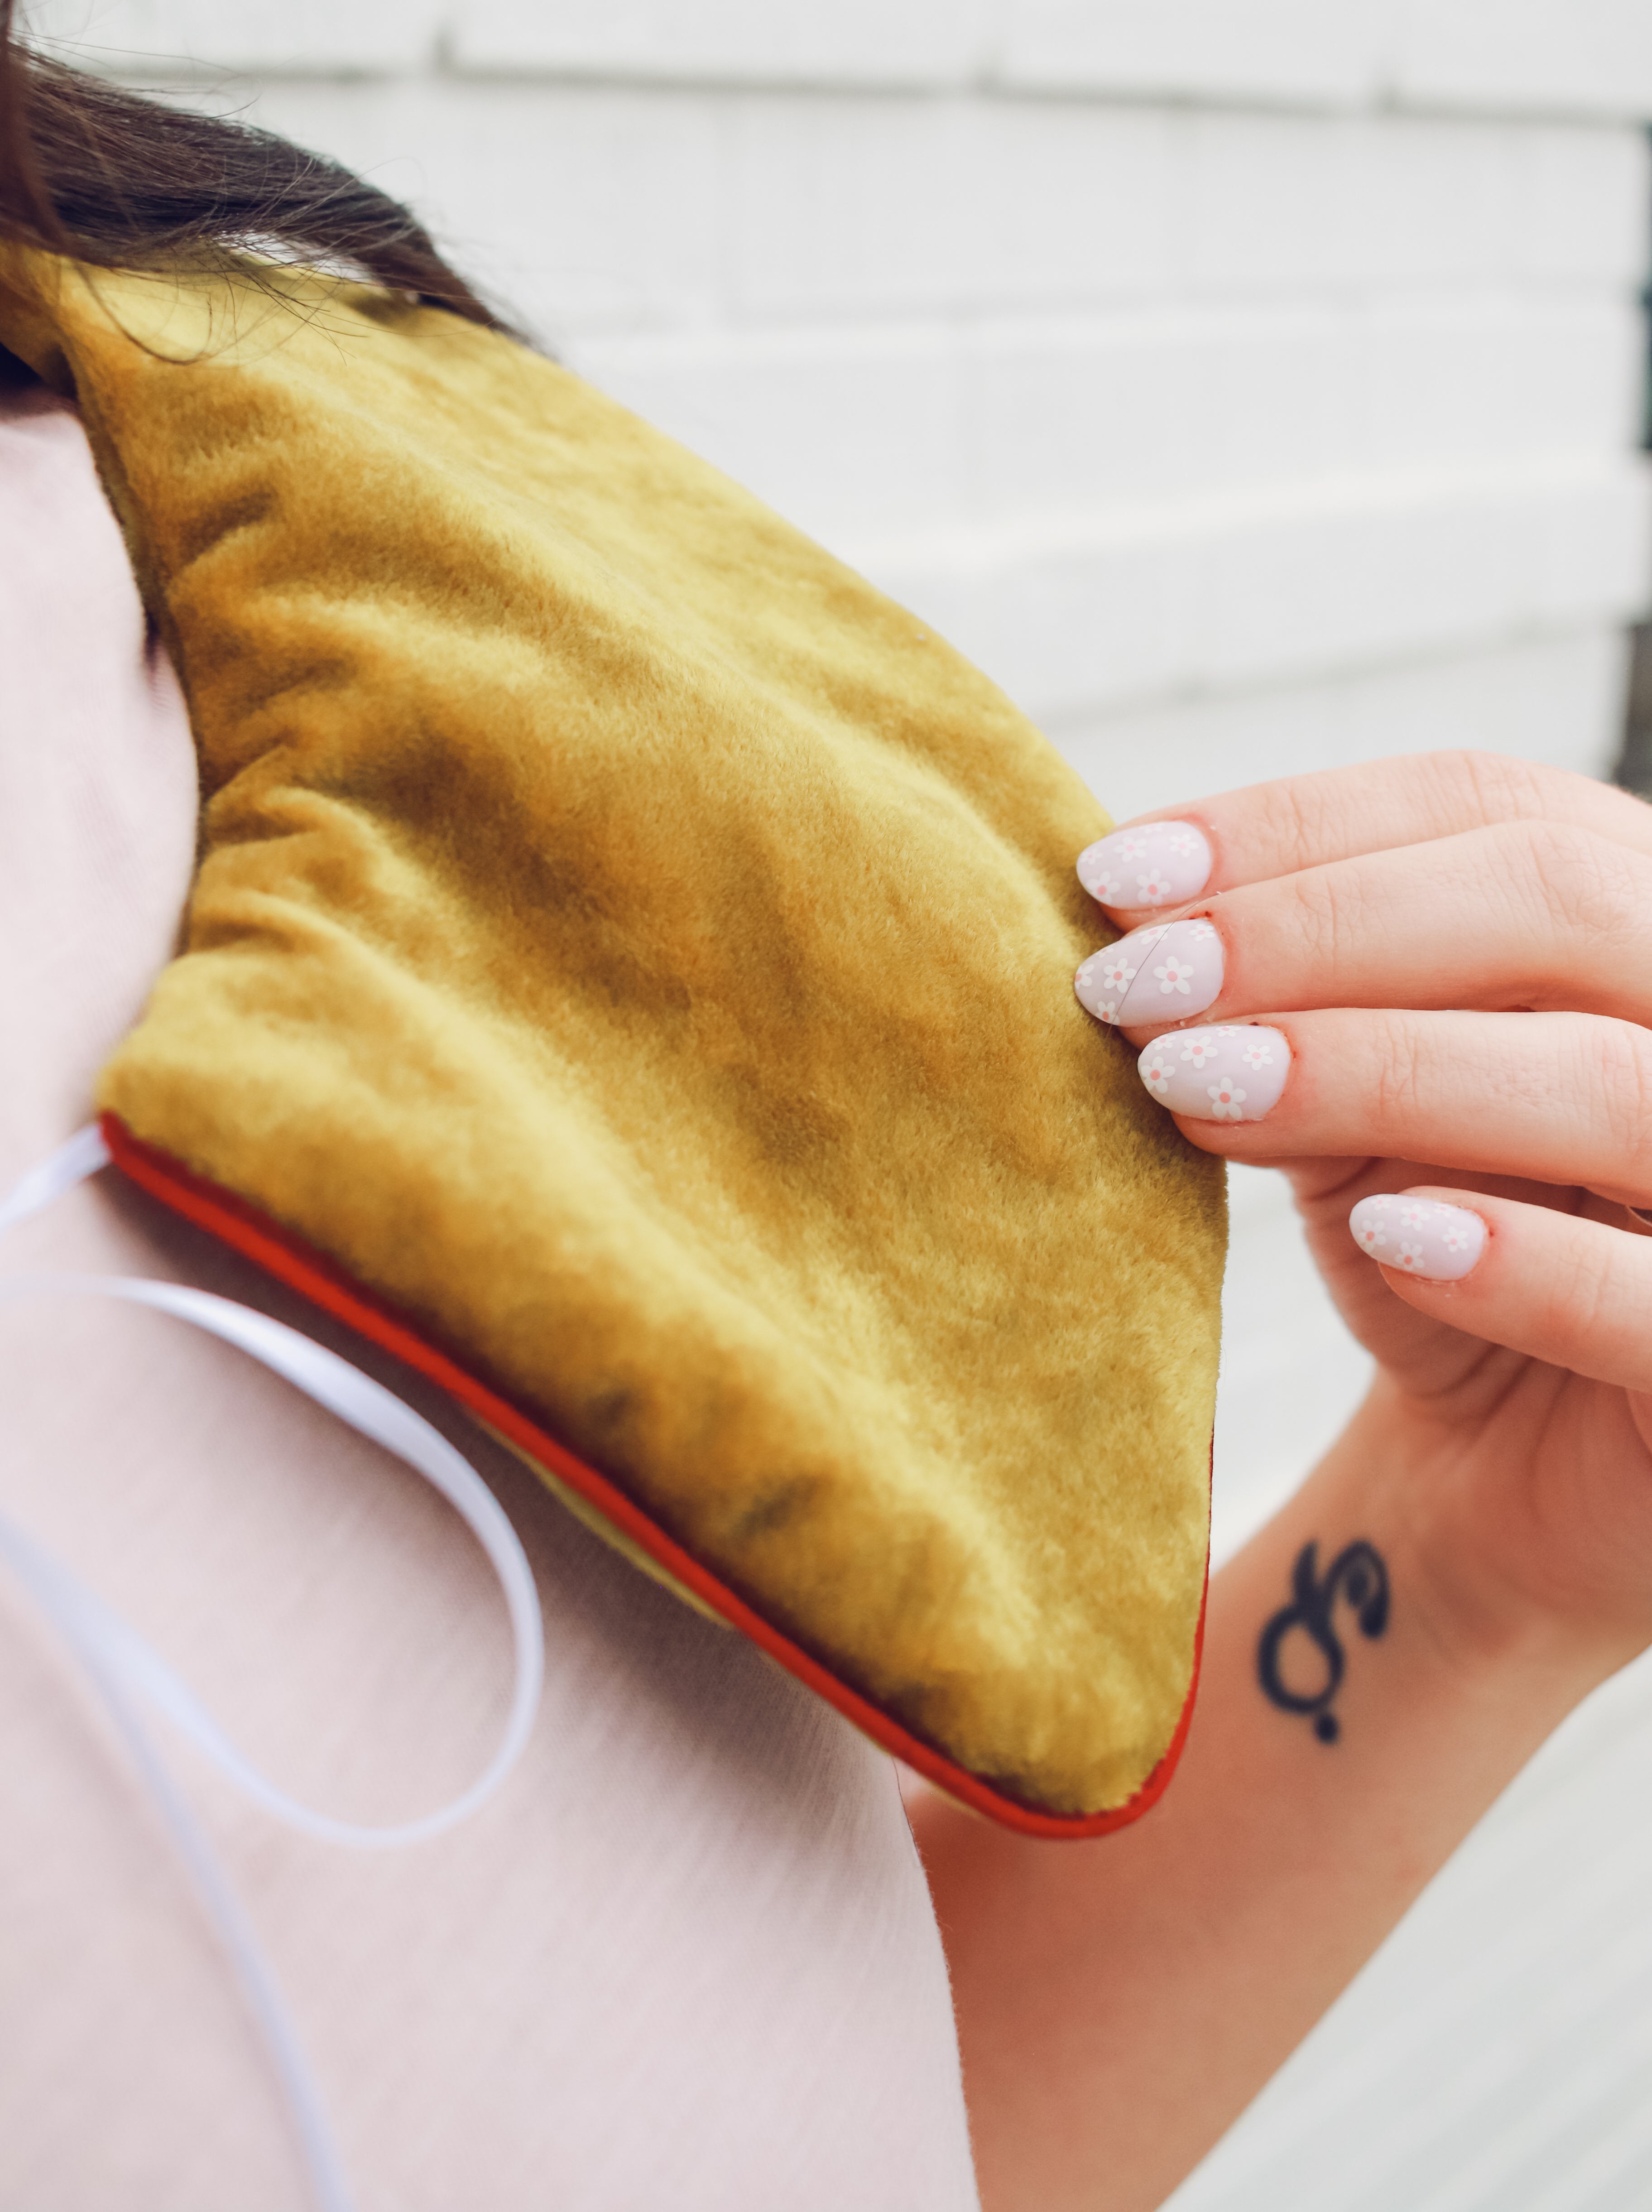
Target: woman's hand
(1436, 978)
(1429, 977)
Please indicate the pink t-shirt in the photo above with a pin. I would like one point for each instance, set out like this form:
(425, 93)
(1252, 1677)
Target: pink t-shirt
(686, 1959)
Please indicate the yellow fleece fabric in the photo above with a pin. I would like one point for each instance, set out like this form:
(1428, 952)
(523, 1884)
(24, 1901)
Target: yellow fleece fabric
(641, 954)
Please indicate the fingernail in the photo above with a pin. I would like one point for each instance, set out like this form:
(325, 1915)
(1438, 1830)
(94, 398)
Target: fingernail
(1642, 1213)
(1160, 864)
(1218, 1075)
(1419, 1235)
(1154, 975)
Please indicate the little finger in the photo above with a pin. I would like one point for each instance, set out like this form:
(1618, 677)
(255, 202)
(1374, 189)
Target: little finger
(1559, 1287)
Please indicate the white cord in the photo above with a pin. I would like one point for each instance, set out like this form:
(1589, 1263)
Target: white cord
(83, 1156)
(127, 1673)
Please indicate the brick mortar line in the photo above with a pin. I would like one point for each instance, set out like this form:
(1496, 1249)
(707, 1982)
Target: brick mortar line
(144, 70)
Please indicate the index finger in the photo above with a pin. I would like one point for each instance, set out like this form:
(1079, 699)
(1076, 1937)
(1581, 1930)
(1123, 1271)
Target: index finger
(1267, 830)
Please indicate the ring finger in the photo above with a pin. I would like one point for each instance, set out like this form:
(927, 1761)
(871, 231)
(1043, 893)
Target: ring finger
(1553, 1098)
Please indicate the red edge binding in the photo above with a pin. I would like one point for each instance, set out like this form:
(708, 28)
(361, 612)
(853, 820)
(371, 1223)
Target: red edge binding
(290, 1260)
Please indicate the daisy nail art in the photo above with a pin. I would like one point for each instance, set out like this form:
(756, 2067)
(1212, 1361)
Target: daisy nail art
(1218, 1074)
(1161, 864)
(1156, 1069)
(1162, 973)
(1418, 1236)
(1117, 975)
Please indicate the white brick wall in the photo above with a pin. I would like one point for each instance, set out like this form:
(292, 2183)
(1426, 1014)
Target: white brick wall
(1249, 385)
(1135, 403)
(314, 38)
(1590, 58)
(1584, 58)
(859, 42)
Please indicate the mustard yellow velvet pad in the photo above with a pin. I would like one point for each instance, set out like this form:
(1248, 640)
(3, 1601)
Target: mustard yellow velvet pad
(635, 956)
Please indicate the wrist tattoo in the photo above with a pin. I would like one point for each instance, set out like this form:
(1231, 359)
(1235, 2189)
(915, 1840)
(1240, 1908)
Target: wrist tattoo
(1359, 1577)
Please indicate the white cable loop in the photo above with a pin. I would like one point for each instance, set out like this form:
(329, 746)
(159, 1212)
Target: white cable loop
(128, 1673)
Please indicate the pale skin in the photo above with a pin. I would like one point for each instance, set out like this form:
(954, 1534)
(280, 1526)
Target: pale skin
(1456, 949)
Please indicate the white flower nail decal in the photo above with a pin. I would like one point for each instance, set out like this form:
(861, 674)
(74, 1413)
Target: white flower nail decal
(1156, 1073)
(1175, 856)
(1259, 1053)
(1208, 1080)
(1445, 1242)
(1093, 976)
(1184, 970)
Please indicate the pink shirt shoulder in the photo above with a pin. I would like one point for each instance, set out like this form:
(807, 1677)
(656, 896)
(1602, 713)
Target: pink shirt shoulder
(689, 1958)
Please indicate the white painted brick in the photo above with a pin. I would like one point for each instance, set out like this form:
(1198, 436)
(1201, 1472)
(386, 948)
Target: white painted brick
(881, 42)
(847, 207)
(1282, 200)
(586, 209)
(1591, 556)
(1222, 594)
(1404, 574)
(1442, 382)
(1365, 580)
(914, 429)
(1593, 57)
(1336, 202)
(1076, 417)
(320, 37)
(1065, 202)
(838, 432)
(1585, 205)
(1220, 51)
(837, 207)
(1555, 699)
(1496, 57)
(1064, 420)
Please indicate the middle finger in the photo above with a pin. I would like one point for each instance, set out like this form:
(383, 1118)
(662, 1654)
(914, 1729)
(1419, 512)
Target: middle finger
(1521, 914)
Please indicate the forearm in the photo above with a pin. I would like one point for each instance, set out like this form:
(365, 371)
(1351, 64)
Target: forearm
(1121, 2002)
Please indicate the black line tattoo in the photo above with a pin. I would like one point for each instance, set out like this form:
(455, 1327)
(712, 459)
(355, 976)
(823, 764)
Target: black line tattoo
(1358, 1575)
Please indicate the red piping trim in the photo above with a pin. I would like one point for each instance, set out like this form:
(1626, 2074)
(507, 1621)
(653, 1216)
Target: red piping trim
(235, 1222)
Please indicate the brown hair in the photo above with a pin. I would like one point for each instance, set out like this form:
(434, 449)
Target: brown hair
(103, 175)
